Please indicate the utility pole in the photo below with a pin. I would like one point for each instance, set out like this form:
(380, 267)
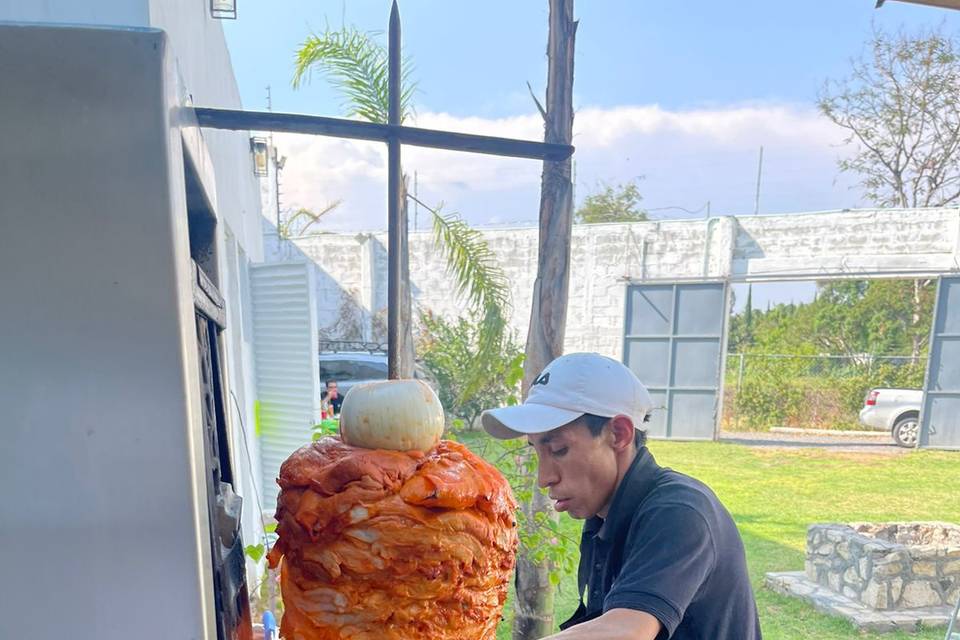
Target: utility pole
(416, 202)
(756, 206)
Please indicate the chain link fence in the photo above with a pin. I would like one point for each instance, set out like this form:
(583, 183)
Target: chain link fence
(808, 391)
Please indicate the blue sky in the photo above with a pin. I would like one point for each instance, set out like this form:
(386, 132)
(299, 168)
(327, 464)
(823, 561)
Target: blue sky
(473, 59)
(677, 95)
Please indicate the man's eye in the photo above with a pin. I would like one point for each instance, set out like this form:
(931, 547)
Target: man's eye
(562, 451)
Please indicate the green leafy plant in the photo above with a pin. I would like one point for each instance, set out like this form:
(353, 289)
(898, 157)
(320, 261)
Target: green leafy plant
(326, 428)
(811, 364)
(469, 378)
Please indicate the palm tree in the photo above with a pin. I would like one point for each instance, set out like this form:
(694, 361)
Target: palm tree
(357, 66)
(289, 226)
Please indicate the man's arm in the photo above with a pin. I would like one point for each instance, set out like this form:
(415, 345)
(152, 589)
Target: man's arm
(616, 624)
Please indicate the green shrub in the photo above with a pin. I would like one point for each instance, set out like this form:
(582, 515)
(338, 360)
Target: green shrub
(468, 379)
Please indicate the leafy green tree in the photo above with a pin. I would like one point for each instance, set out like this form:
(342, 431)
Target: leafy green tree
(858, 319)
(740, 333)
(848, 317)
(875, 317)
(612, 203)
(445, 345)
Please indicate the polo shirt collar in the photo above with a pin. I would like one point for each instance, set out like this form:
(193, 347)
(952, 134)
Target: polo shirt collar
(636, 484)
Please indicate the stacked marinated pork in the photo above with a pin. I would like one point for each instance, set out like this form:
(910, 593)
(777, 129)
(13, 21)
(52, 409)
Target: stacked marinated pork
(378, 544)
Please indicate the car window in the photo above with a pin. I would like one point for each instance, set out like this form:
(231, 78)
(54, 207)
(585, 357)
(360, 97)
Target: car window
(352, 370)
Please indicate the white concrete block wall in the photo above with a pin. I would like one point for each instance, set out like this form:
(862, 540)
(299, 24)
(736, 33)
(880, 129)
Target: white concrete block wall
(849, 241)
(606, 258)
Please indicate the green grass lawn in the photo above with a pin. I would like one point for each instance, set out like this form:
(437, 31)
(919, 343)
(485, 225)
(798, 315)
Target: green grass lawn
(774, 494)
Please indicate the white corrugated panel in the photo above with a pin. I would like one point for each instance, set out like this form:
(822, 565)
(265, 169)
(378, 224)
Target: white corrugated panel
(287, 371)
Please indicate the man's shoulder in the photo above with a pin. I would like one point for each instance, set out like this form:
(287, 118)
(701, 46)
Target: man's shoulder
(673, 487)
(684, 498)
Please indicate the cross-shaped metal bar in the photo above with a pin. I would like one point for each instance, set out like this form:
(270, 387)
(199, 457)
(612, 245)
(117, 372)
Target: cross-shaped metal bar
(395, 135)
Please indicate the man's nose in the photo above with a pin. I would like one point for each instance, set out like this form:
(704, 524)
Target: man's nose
(546, 475)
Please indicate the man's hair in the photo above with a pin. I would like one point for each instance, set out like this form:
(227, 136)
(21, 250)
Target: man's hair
(329, 381)
(596, 423)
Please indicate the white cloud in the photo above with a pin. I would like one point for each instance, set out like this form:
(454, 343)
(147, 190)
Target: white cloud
(686, 157)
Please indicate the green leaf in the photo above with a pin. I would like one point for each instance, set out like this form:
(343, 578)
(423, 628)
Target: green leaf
(357, 65)
(254, 551)
(270, 528)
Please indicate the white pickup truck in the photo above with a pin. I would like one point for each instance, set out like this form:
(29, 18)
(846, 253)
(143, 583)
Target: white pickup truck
(895, 409)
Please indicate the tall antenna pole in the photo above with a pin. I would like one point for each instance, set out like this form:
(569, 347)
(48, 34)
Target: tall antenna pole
(756, 205)
(272, 158)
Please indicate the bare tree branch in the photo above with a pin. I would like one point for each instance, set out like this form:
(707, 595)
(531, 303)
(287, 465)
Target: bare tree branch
(900, 107)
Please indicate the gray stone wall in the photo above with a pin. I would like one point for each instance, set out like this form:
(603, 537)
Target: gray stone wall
(882, 573)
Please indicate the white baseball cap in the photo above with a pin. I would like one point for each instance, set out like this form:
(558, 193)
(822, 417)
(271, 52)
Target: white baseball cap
(569, 387)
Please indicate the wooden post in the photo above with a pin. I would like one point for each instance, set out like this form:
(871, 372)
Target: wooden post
(533, 617)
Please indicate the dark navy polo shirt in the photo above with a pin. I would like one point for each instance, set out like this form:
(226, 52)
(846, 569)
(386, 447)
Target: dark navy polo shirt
(670, 549)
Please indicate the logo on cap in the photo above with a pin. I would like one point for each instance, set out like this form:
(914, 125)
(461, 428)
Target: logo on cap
(543, 379)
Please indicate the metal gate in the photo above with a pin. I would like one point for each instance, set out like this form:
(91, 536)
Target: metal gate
(940, 417)
(673, 341)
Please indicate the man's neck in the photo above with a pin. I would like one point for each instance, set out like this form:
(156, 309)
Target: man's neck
(624, 461)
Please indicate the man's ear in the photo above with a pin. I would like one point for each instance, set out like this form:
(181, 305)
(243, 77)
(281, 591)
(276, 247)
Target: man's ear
(622, 432)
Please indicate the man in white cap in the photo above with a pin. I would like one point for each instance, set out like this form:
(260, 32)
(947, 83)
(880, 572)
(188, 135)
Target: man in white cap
(660, 557)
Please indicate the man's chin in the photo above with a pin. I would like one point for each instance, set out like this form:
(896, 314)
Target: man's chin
(577, 514)
(566, 506)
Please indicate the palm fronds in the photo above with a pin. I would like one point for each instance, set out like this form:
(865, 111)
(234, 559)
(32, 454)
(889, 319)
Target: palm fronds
(477, 275)
(480, 280)
(358, 66)
(288, 226)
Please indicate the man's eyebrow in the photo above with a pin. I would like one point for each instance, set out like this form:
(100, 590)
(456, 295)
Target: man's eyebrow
(546, 439)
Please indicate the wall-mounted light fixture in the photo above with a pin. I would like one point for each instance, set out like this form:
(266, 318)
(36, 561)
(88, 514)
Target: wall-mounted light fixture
(223, 9)
(259, 148)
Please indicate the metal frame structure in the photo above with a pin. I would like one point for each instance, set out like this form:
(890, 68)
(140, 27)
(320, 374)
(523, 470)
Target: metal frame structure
(395, 135)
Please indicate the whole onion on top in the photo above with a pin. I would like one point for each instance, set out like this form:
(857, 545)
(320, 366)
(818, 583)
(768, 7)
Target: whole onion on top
(400, 415)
